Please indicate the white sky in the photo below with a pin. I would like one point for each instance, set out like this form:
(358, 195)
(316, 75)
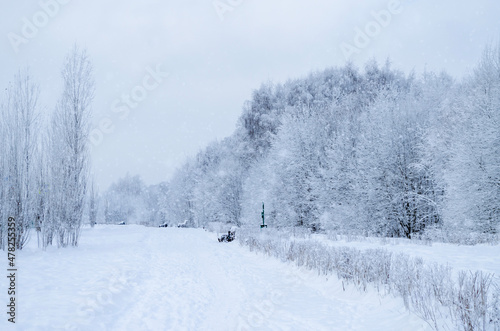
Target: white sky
(215, 64)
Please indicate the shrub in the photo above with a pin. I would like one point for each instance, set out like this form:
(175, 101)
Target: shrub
(427, 290)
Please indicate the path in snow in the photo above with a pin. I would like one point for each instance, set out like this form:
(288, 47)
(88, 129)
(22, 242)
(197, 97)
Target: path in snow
(137, 278)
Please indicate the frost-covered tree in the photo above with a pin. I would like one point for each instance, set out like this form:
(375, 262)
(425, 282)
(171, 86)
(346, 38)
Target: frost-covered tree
(473, 176)
(93, 204)
(69, 163)
(260, 118)
(400, 187)
(212, 183)
(125, 201)
(373, 152)
(20, 157)
(155, 204)
(181, 200)
(297, 157)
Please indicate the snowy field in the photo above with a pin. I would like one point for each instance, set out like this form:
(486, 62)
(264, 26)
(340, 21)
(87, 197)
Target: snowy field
(138, 278)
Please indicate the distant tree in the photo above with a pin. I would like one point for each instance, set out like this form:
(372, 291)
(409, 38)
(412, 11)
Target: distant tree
(154, 204)
(93, 204)
(181, 200)
(126, 201)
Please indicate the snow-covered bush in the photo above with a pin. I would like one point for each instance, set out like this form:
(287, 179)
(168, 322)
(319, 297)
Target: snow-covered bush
(460, 236)
(471, 305)
(428, 290)
(494, 312)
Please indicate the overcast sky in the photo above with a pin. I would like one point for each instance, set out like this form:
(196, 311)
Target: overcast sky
(216, 57)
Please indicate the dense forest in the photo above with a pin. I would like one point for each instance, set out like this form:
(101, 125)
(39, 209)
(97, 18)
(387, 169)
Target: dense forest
(372, 151)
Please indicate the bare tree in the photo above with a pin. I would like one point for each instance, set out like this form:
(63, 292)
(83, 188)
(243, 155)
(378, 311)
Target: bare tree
(19, 154)
(69, 147)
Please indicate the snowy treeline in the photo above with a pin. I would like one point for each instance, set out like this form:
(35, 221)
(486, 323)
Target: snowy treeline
(370, 151)
(129, 200)
(470, 301)
(44, 166)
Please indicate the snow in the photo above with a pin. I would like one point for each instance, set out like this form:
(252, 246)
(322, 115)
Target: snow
(483, 257)
(138, 278)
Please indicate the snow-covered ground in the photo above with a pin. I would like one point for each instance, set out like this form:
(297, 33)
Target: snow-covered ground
(138, 278)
